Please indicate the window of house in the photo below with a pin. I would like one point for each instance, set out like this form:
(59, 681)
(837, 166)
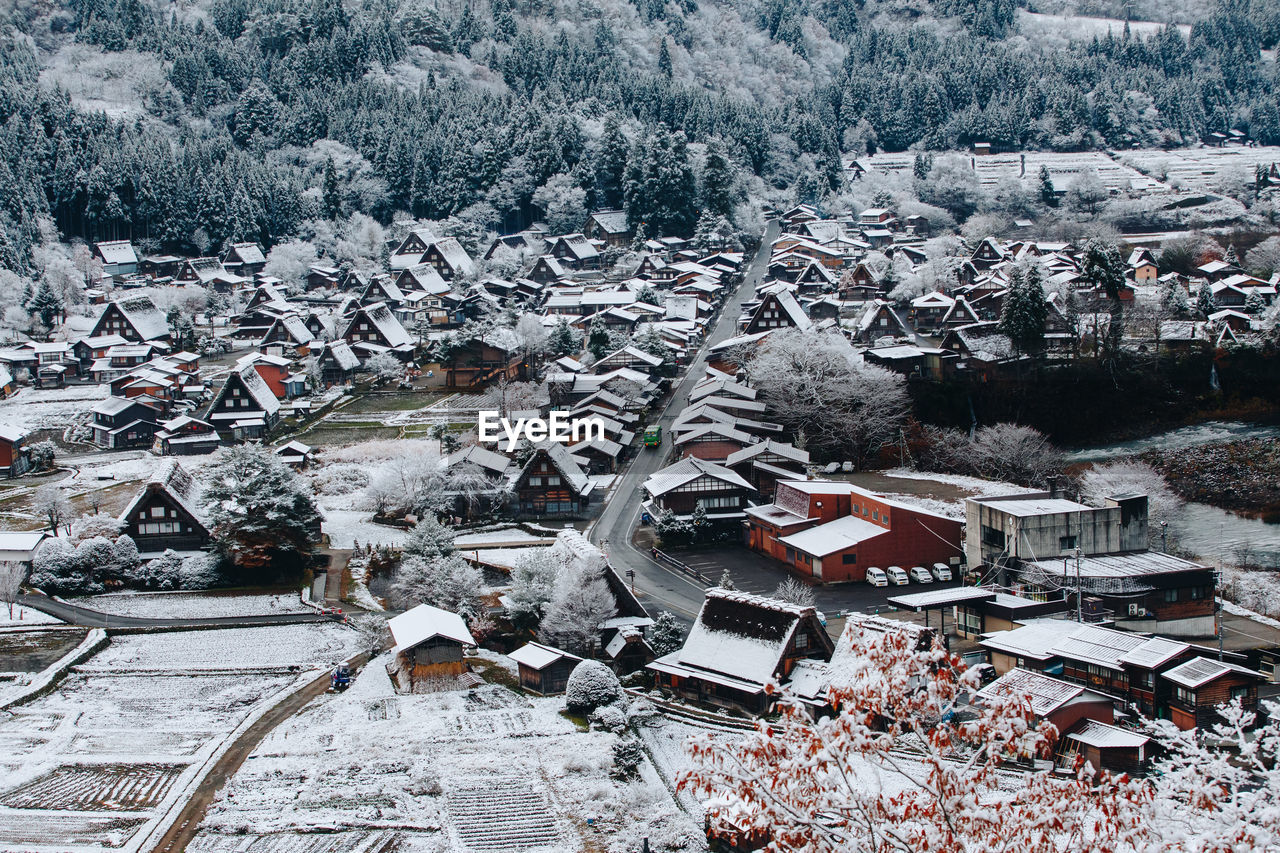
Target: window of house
(1066, 543)
(157, 512)
(802, 641)
(1170, 596)
(1241, 693)
(553, 481)
(971, 620)
(849, 559)
(535, 481)
(791, 555)
(875, 515)
(993, 537)
(1197, 593)
(1182, 694)
(856, 511)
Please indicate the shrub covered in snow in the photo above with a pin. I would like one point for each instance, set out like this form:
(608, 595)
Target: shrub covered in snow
(591, 685)
(61, 567)
(341, 478)
(668, 635)
(627, 755)
(611, 718)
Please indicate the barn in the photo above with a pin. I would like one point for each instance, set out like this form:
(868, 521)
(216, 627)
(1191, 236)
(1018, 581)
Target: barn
(429, 645)
(543, 669)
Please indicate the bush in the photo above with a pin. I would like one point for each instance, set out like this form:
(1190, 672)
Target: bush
(611, 718)
(200, 571)
(591, 685)
(627, 755)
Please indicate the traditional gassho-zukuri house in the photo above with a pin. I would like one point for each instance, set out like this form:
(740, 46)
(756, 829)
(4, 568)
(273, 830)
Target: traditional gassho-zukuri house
(739, 644)
(429, 646)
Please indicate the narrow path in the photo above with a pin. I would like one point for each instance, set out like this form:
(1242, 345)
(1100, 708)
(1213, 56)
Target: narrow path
(187, 823)
(75, 615)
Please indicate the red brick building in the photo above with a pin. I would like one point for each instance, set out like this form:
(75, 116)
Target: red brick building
(832, 531)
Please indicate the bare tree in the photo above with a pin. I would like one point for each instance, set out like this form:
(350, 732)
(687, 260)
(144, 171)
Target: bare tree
(794, 591)
(12, 574)
(581, 602)
(52, 503)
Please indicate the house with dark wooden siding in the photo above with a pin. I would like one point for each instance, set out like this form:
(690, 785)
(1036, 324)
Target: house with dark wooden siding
(694, 483)
(166, 513)
(544, 669)
(429, 647)
(551, 483)
(738, 645)
(1200, 685)
(15, 459)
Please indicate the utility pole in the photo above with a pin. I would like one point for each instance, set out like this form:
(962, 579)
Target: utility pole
(1079, 603)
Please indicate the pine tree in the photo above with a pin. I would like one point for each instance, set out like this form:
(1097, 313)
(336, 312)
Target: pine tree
(598, 340)
(1231, 257)
(1048, 194)
(1173, 300)
(1205, 303)
(664, 60)
(668, 635)
(726, 581)
(563, 340)
(1025, 312)
(717, 181)
(332, 195)
(919, 169)
(1254, 303)
(45, 304)
(611, 164)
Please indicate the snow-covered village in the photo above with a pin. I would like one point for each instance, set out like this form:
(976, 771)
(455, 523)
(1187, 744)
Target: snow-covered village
(472, 426)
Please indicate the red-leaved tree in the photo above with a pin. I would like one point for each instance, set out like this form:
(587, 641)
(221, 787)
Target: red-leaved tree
(902, 765)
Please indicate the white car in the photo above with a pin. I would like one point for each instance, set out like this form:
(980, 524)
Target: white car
(897, 576)
(877, 577)
(941, 572)
(920, 574)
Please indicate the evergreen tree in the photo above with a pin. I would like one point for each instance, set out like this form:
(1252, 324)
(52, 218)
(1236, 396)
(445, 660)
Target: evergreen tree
(1173, 300)
(598, 341)
(611, 164)
(717, 181)
(1048, 194)
(1025, 312)
(563, 340)
(45, 304)
(664, 60)
(919, 168)
(1231, 257)
(332, 194)
(726, 581)
(1254, 303)
(668, 634)
(1205, 303)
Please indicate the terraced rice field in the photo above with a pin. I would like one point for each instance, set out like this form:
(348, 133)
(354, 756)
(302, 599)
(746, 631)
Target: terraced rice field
(94, 788)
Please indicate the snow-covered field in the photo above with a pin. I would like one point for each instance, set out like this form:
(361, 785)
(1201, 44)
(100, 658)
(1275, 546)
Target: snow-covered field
(193, 605)
(481, 770)
(344, 527)
(233, 649)
(1086, 27)
(50, 408)
(86, 767)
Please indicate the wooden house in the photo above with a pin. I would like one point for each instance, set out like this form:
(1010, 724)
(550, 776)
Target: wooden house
(544, 669)
(336, 363)
(429, 647)
(134, 318)
(295, 454)
(1053, 700)
(166, 513)
(1106, 747)
(551, 483)
(186, 436)
(1201, 684)
(245, 406)
(117, 256)
(483, 359)
(739, 644)
(120, 422)
(375, 325)
(547, 268)
(576, 251)
(1142, 265)
(692, 483)
(210, 273)
(244, 259)
(778, 309)
(15, 459)
(321, 277)
(449, 258)
(765, 463)
(609, 227)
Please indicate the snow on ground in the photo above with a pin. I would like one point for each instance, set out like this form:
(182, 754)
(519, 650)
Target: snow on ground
(193, 605)
(86, 766)
(506, 558)
(271, 647)
(347, 526)
(1236, 609)
(50, 408)
(480, 770)
(977, 485)
(25, 616)
(1085, 27)
(119, 83)
(502, 536)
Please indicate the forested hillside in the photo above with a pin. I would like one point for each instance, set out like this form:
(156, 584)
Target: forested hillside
(267, 113)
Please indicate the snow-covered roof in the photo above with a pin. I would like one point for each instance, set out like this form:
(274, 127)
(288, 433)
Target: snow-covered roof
(538, 656)
(342, 354)
(21, 541)
(611, 221)
(769, 445)
(1104, 736)
(477, 455)
(249, 253)
(117, 252)
(147, 320)
(380, 316)
(1200, 671)
(1047, 694)
(416, 626)
(741, 635)
(688, 470)
(824, 539)
(177, 483)
(454, 255)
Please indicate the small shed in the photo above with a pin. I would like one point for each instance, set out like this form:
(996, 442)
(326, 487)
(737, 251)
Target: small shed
(295, 454)
(20, 546)
(429, 646)
(1109, 747)
(543, 669)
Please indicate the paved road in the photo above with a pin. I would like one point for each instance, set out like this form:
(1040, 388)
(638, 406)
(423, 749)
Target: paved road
(76, 615)
(660, 587)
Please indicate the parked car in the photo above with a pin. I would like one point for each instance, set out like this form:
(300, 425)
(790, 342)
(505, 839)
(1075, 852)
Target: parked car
(896, 575)
(877, 577)
(920, 574)
(941, 572)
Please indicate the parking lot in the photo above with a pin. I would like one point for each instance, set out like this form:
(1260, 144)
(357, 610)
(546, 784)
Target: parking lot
(758, 574)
